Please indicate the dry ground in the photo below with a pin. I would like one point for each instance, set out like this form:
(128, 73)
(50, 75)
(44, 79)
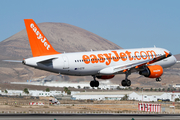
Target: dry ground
(22, 105)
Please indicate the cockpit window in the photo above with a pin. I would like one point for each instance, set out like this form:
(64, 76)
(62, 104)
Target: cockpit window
(170, 53)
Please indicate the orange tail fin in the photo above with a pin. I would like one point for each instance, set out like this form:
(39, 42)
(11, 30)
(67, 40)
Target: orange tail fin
(40, 46)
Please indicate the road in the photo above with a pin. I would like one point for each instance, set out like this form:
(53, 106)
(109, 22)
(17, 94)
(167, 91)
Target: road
(89, 117)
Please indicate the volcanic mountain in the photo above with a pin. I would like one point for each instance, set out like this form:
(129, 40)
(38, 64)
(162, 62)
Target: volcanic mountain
(177, 57)
(63, 37)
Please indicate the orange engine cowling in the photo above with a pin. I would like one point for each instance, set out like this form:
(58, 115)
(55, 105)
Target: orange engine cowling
(154, 71)
(105, 77)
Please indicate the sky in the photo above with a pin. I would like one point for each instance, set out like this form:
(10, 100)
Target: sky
(127, 23)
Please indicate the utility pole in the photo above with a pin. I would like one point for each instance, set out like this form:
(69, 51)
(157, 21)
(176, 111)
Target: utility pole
(142, 95)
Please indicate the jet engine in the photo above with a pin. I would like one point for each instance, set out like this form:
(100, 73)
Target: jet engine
(154, 71)
(105, 77)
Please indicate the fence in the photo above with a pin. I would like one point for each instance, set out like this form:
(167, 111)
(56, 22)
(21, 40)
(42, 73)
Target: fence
(83, 112)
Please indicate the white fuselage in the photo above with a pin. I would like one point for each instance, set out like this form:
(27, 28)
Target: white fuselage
(92, 62)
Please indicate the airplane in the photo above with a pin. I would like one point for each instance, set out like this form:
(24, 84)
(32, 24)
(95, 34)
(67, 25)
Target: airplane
(149, 62)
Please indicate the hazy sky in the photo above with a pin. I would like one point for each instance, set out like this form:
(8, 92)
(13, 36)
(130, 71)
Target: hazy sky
(128, 23)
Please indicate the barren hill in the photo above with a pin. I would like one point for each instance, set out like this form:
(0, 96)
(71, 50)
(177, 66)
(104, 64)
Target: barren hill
(177, 57)
(63, 37)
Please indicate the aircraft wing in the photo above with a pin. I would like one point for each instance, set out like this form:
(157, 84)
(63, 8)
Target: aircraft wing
(132, 65)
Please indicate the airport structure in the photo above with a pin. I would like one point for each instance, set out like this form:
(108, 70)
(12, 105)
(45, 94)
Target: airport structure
(104, 85)
(176, 86)
(113, 95)
(138, 96)
(36, 93)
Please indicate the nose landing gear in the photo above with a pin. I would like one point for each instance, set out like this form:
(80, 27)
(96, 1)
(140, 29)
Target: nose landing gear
(158, 79)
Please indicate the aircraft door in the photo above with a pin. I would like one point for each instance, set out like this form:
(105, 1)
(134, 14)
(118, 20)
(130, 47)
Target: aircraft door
(66, 62)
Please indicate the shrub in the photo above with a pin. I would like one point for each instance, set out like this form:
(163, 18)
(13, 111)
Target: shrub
(176, 99)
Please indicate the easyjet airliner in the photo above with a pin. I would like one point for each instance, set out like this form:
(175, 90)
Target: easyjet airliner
(149, 62)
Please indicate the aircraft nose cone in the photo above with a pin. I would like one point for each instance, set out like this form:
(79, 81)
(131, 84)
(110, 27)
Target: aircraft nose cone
(23, 62)
(174, 60)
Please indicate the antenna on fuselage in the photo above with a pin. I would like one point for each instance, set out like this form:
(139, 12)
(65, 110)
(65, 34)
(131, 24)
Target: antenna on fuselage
(154, 46)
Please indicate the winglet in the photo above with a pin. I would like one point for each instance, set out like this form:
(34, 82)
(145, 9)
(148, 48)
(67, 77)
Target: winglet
(40, 46)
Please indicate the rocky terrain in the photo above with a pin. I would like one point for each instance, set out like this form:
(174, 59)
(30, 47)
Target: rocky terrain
(178, 57)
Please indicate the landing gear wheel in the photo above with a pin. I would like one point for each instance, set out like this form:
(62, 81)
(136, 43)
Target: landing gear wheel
(96, 83)
(123, 83)
(128, 83)
(92, 83)
(158, 79)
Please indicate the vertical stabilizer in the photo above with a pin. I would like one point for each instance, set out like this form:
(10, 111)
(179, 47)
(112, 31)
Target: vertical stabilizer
(40, 46)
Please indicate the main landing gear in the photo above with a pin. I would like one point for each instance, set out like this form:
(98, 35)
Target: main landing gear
(94, 83)
(158, 79)
(126, 82)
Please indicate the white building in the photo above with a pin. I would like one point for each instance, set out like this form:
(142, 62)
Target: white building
(36, 93)
(100, 95)
(148, 96)
(43, 93)
(176, 86)
(138, 96)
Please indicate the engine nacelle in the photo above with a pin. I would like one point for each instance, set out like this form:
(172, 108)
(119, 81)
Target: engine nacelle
(105, 77)
(154, 71)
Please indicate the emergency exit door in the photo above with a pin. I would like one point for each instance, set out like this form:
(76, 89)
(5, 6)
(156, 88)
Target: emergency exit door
(66, 62)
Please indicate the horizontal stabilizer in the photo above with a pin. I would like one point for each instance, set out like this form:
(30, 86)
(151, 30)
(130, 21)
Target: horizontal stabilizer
(17, 61)
(44, 61)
